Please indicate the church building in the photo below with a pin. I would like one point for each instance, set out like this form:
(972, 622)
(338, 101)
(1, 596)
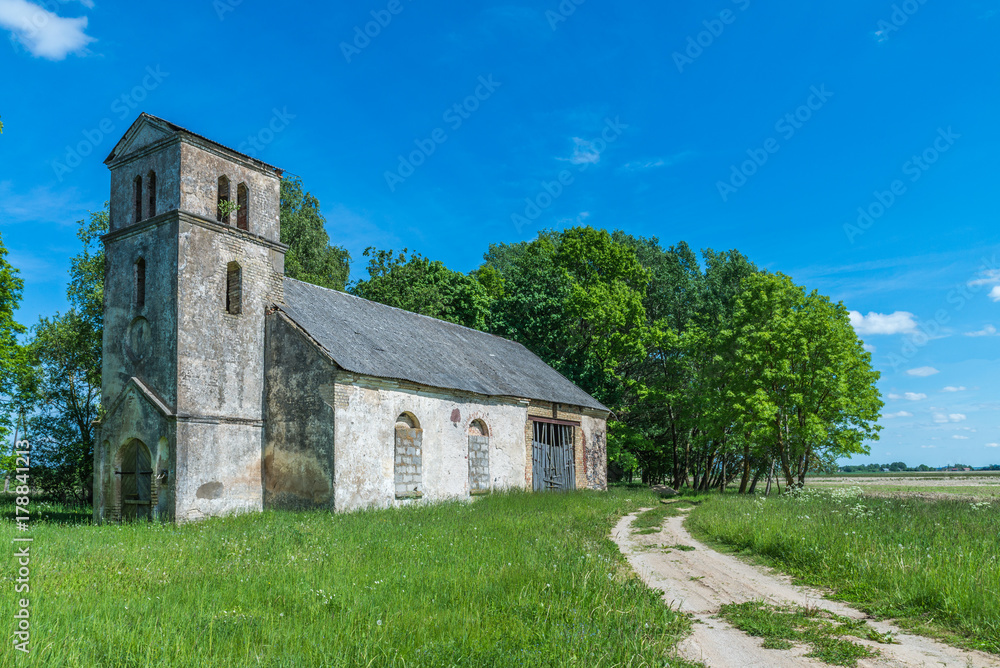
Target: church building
(229, 388)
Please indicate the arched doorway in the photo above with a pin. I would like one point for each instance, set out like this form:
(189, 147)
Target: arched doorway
(136, 479)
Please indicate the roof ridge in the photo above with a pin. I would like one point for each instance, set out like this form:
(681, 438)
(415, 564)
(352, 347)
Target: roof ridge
(403, 310)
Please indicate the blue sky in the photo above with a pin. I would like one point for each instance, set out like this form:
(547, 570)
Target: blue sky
(852, 146)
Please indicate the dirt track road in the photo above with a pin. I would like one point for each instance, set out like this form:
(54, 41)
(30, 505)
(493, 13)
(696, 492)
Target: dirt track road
(701, 580)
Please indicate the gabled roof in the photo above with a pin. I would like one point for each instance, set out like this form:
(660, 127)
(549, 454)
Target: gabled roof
(372, 339)
(168, 128)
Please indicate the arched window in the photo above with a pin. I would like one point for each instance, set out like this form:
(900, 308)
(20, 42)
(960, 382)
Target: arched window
(137, 193)
(151, 191)
(243, 206)
(408, 461)
(222, 212)
(140, 283)
(234, 288)
(479, 458)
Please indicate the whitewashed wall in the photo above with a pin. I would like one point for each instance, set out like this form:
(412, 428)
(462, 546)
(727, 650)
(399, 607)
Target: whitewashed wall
(366, 412)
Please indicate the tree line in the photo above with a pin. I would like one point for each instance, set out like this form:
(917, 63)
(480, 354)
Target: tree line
(715, 371)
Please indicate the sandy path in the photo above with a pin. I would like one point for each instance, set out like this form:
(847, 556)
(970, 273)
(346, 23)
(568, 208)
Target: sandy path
(700, 581)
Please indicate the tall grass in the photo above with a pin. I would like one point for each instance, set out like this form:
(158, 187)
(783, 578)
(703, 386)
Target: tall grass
(930, 564)
(511, 580)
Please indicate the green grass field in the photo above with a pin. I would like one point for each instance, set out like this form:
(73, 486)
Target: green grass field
(933, 565)
(511, 580)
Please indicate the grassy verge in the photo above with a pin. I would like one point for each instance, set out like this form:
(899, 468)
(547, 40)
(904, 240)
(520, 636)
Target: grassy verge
(932, 565)
(824, 632)
(511, 580)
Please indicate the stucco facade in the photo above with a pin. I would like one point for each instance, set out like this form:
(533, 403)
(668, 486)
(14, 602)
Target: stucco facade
(229, 388)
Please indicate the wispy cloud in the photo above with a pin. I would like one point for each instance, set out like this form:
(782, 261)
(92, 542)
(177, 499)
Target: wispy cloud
(914, 396)
(43, 33)
(993, 445)
(869, 347)
(959, 437)
(42, 204)
(941, 418)
(584, 153)
(900, 414)
(922, 372)
(899, 322)
(656, 163)
(952, 388)
(988, 330)
(986, 278)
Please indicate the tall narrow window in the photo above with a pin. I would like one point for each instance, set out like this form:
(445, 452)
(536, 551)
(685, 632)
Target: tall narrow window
(242, 204)
(140, 283)
(479, 458)
(222, 213)
(137, 192)
(151, 190)
(234, 288)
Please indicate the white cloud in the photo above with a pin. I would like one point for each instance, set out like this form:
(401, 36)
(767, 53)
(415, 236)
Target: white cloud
(952, 388)
(988, 330)
(900, 414)
(922, 372)
(993, 445)
(915, 396)
(989, 277)
(869, 347)
(584, 153)
(956, 417)
(927, 447)
(43, 33)
(941, 418)
(958, 437)
(894, 396)
(899, 322)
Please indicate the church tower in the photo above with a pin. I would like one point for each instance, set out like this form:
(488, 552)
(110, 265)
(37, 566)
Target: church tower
(193, 263)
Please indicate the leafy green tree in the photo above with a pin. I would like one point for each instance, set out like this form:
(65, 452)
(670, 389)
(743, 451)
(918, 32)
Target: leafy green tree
(805, 383)
(13, 362)
(63, 388)
(417, 284)
(575, 299)
(310, 257)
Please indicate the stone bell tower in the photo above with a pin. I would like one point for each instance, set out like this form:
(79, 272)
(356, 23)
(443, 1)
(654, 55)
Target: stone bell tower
(193, 262)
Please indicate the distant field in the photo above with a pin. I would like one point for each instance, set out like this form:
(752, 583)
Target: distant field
(513, 579)
(933, 484)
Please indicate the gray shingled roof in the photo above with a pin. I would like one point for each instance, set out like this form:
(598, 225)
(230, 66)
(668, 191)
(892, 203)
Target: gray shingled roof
(372, 339)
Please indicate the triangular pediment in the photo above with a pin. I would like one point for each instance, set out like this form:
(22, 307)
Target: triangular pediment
(134, 390)
(144, 131)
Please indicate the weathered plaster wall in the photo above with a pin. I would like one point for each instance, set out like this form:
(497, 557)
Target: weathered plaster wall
(166, 163)
(366, 412)
(199, 188)
(298, 463)
(218, 468)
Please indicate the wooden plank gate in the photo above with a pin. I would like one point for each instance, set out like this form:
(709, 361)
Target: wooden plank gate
(552, 457)
(136, 482)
